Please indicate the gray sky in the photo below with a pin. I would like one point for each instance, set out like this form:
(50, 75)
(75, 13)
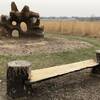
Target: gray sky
(56, 7)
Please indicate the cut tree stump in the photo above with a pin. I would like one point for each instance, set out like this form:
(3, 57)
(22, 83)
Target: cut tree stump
(98, 55)
(17, 73)
(96, 69)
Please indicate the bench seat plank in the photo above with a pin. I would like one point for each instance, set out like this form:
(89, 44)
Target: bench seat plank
(45, 73)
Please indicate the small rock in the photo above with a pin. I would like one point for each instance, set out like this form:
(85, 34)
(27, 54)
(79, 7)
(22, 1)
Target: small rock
(0, 81)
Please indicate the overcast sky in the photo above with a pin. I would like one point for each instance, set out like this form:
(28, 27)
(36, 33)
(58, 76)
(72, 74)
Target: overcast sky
(56, 7)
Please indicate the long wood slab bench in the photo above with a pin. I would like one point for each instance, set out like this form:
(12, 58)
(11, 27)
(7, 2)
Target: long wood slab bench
(45, 73)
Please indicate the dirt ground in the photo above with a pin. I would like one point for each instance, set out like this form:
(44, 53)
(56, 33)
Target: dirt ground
(80, 85)
(46, 45)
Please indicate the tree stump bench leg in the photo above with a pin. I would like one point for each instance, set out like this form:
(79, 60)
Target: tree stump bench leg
(18, 72)
(96, 69)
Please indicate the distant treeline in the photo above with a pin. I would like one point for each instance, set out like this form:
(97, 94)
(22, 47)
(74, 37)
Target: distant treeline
(73, 18)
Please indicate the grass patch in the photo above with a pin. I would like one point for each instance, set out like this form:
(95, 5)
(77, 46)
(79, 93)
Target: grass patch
(47, 60)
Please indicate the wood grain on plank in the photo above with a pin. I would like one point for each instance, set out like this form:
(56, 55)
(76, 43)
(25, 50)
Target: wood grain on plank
(45, 73)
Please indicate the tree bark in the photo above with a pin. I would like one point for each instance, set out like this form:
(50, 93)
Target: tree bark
(18, 72)
(96, 69)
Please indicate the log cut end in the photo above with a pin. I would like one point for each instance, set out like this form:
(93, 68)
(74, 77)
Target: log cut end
(19, 63)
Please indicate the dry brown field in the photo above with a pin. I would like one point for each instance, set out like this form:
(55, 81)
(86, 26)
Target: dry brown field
(84, 28)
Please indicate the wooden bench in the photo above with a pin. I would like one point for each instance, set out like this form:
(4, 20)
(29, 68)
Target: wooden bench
(45, 73)
(20, 75)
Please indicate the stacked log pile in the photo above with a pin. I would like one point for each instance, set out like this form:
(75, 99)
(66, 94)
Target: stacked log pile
(31, 19)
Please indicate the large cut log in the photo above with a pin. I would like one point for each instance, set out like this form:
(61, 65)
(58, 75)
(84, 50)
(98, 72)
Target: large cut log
(34, 14)
(17, 73)
(13, 7)
(25, 11)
